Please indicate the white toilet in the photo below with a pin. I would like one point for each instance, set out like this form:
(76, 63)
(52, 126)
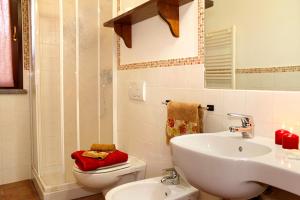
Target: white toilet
(106, 178)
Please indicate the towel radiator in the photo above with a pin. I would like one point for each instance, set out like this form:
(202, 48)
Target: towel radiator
(220, 58)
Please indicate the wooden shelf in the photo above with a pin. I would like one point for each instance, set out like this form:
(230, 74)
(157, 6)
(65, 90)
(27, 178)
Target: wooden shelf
(168, 10)
(209, 3)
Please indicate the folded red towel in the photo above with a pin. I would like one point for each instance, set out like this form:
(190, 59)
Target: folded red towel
(87, 164)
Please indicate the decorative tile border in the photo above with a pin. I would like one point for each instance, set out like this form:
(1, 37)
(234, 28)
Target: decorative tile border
(199, 59)
(25, 34)
(253, 70)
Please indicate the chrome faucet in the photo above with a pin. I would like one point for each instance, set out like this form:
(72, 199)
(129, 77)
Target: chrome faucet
(172, 178)
(247, 128)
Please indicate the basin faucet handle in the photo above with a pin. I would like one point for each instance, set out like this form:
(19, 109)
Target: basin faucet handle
(171, 171)
(172, 178)
(247, 128)
(239, 115)
(246, 119)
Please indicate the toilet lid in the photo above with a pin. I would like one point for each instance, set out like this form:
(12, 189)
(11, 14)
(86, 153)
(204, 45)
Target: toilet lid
(104, 169)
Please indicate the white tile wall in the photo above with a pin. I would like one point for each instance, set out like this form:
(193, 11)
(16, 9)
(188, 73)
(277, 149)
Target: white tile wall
(141, 125)
(15, 141)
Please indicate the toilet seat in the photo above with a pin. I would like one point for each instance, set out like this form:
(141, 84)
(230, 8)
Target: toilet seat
(103, 169)
(103, 178)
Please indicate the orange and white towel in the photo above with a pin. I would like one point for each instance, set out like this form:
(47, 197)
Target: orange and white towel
(183, 118)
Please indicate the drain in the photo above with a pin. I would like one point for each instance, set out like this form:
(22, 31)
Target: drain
(240, 148)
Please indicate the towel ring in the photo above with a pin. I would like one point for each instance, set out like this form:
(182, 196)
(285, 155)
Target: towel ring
(208, 107)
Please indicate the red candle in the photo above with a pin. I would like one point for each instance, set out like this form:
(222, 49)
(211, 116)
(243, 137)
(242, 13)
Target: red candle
(279, 134)
(290, 141)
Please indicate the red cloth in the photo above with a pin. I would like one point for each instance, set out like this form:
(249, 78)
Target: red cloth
(87, 164)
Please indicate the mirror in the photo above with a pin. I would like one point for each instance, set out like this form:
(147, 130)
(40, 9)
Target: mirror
(253, 45)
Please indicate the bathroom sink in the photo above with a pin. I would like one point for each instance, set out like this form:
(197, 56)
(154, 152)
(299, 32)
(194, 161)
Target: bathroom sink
(223, 146)
(153, 189)
(223, 164)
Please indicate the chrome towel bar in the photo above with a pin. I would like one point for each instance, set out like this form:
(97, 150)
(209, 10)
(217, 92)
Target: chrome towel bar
(208, 107)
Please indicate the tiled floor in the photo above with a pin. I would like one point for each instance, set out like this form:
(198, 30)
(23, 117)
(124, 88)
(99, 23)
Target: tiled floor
(18, 191)
(94, 197)
(25, 190)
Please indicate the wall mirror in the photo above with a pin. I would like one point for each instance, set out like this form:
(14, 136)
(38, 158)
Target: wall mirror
(253, 45)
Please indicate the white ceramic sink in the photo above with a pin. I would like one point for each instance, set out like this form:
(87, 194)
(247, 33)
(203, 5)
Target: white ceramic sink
(216, 145)
(153, 189)
(228, 166)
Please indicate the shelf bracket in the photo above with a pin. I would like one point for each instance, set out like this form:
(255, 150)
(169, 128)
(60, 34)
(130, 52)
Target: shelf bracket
(124, 31)
(168, 10)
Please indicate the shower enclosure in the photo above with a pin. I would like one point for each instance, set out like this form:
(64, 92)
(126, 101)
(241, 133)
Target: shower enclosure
(70, 85)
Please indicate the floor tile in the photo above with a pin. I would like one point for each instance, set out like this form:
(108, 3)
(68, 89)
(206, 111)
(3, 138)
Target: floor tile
(25, 190)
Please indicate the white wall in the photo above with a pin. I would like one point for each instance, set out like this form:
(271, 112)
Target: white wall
(267, 31)
(159, 44)
(271, 109)
(15, 136)
(15, 139)
(141, 125)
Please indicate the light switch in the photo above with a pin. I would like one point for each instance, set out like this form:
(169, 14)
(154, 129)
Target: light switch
(137, 90)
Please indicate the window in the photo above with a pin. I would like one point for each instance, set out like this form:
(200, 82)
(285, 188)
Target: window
(11, 64)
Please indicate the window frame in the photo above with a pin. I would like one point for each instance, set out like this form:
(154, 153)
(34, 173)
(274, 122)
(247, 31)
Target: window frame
(17, 47)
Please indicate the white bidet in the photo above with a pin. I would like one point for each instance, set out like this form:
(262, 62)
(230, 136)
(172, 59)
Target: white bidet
(153, 189)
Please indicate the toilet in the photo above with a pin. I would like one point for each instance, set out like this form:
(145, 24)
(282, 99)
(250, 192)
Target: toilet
(108, 177)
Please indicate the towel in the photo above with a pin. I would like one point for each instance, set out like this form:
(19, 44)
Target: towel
(95, 154)
(183, 118)
(87, 164)
(103, 147)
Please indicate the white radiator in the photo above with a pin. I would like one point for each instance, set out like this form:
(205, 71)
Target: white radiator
(220, 58)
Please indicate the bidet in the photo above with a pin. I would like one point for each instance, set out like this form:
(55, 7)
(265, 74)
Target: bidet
(153, 189)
